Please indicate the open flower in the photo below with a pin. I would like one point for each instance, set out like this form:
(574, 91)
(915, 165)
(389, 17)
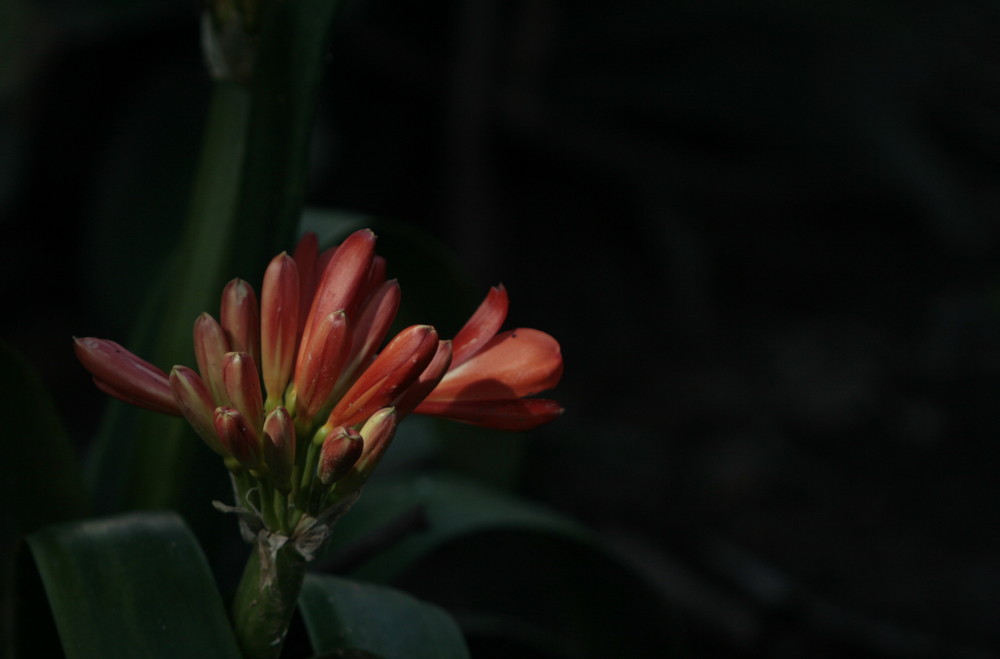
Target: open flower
(295, 393)
(491, 374)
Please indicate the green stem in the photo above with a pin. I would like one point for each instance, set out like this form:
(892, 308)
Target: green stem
(265, 600)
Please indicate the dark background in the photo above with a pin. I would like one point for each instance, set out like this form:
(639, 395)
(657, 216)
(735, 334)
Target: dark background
(765, 234)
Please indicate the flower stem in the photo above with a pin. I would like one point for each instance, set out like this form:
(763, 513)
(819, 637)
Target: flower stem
(265, 599)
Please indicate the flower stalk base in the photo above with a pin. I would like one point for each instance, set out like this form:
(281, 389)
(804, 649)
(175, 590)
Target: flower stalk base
(266, 597)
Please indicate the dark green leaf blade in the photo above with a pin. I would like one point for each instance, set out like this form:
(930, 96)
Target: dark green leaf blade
(345, 615)
(246, 203)
(41, 482)
(40, 471)
(136, 585)
(455, 508)
(519, 578)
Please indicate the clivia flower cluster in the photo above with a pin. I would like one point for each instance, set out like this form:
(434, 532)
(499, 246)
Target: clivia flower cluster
(298, 398)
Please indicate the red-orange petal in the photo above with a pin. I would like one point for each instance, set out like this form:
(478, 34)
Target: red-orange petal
(340, 450)
(146, 404)
(392, 372)
(377, 432)
(239, 316)
(279, 447)
(342, 283)
(513, 364)
(429, 379)
(279, 324)
(372, 325)
(237, 436)
(126, 376)
(242, 382)
(320, 363)
(482, 326)
(210, 348)
(196, 405)
(520, 414)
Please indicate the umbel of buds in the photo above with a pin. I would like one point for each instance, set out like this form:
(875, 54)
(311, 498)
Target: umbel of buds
(299, 396)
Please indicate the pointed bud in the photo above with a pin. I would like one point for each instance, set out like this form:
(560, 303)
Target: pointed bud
(196, 405)
(279, 324)
(240, 318)
(319, 364)
(242, 383)
(341, 449)
(125, 376)
(279, 448)
(377, 433)
(210, 346)
(373, 324)
(343, 280)
(388, 377)
(374, 279)
(237, 437)
(429, 378)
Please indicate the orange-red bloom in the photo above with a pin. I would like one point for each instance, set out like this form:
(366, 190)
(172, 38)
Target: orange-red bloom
(492, 374)
(306, 362)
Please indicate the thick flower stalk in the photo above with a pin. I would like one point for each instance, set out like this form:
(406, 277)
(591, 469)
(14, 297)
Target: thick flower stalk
(299, 396)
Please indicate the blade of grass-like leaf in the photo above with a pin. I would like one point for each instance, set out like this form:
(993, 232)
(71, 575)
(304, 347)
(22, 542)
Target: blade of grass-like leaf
(136, 585)
(245, 207)
(347, 615)
(519, 578)
(454, 508)
(149, 477)
(290, 65)
(40, 475)
(40, 483)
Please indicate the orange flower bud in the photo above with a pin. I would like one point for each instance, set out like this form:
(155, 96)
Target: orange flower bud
(279, 324)
(388, 377)
(237, 436)
(196, 405)
(240, 318)
(210, 347)
(242, 383)
(125, 376)
(341, 449)
(319, 365)
(279, 448)
(372, 325)
(342, 282)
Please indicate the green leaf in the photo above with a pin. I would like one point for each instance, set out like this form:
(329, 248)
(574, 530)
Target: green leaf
(343, 615)
(40, 476)
(518, 578)
(290, 64)
(136, 585)
(40, 483)
(245, 206)
(454, 508)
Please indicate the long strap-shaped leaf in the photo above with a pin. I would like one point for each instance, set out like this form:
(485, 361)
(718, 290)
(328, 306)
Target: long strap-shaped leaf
(343, 615)
(136, 585)
(517, 577)
(245, 206)
(40, 483)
